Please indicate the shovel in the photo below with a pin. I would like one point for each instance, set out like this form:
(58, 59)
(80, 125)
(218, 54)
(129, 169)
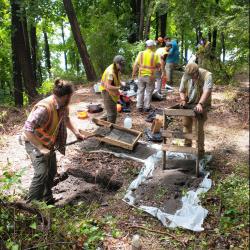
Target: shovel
(99, 132)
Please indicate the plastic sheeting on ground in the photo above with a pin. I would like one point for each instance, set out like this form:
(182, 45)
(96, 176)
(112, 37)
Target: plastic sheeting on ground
(192, 214)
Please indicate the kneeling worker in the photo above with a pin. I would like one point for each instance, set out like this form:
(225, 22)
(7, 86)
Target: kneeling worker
(111, 84)
(44, 131)
(195, 91)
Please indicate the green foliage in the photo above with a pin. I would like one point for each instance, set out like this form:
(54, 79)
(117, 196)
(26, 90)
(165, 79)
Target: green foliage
(46, 87)
(234, 194)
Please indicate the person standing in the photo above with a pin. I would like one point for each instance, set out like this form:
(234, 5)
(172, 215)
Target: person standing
(195, 91)
(172, 60)
(146, 62)
(160, 51)
(110, 86)
(44, 131)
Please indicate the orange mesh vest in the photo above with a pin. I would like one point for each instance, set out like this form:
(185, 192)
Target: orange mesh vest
(48, 133)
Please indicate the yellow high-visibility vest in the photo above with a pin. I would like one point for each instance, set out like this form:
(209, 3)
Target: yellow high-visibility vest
(147, 61)
(116, 80)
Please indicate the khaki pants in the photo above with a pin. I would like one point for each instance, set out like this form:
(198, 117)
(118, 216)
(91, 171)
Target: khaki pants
(158, 82)
(169, 68)
(187, 128)
(109, 106)
(45, 169)
(145, 90)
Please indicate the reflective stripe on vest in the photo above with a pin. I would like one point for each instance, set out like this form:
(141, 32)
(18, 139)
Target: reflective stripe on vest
(48, 133)
(116, 79)
(144, 61)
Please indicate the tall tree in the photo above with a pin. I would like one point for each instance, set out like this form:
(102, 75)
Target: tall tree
(82, 49)
(47, 52)
(141, 26)
(64, 51)
(156, 25)
(17, 75)
(163, 21)
(23, 55)
(33, 48)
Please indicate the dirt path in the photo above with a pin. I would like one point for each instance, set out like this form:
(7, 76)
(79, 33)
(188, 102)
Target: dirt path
(227, 139)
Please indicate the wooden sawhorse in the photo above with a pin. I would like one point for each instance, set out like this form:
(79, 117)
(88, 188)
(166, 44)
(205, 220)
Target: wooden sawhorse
(177, 111)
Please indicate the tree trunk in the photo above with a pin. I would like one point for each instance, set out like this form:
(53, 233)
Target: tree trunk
(22, 53)
(39, 72)
(90, 71)
(223, 47)
(47, 53)
(148, 20)
(209, 36)
(182, 46)
(163, 19)
(156, 25)
(33, 47)
(141, 26)
(64, 51)
(186, 52)
(214, 39)
(17, 75)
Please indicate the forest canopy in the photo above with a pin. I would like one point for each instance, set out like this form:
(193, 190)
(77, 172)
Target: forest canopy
(77, 40)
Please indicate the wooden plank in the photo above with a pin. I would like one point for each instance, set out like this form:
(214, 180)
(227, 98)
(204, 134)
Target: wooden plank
(107, 124)
(115, 141)
(180, 135)
(180, 149)
(179, 112)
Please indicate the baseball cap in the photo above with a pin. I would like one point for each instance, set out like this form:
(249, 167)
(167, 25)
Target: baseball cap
(191, 69)
(150, 43)
(119, 59)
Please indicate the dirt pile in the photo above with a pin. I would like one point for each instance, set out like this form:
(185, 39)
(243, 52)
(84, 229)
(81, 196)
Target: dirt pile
(93, 176)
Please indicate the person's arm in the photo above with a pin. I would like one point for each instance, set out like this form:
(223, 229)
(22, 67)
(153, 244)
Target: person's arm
(37, 118)
(135, 67)
(182, 91)
(109, 86)
(207, 90)
(205, 95)
(75, 131)
(32, 139)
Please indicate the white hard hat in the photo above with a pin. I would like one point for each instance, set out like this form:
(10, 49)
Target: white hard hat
(150, 43)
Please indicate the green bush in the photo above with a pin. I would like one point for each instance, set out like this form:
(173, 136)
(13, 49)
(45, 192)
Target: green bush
(46, 87)
(234, 194)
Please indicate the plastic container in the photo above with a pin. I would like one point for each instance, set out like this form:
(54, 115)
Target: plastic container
(127, 122)
(82, 114)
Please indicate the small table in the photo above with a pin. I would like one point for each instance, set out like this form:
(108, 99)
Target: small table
(177, 111)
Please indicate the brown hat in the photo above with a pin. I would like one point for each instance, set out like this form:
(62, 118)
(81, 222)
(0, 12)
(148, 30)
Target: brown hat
(191, 69)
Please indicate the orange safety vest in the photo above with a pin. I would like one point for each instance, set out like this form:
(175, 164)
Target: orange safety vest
(47, 134)
(146, 63)
(116, 79)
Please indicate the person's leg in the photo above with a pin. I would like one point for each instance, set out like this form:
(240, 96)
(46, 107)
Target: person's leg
(40, 165)
(140, 93)
(110, 107)
(158, 82)
(201, 135)
(47, 196)
(187, 128)
(169, 73)
(148, 93)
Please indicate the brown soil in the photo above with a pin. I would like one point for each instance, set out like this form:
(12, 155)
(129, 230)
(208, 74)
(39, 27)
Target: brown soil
(103, 178)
